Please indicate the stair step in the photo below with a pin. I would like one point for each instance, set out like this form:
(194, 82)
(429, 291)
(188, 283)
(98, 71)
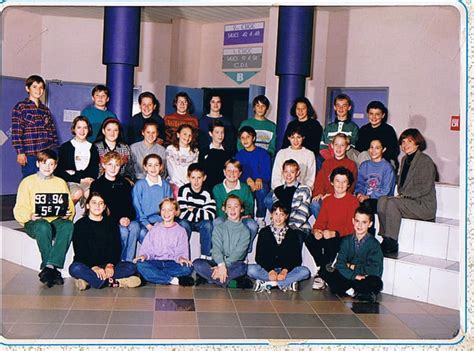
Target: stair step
(438, 239)
(422, 278)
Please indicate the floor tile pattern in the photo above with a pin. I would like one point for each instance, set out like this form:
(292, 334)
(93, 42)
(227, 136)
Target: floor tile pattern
(32, 311)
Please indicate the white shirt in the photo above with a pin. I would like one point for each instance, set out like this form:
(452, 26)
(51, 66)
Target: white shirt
(82, 154)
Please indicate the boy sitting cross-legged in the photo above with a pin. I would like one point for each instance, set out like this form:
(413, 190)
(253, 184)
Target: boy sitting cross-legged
(359, 262)
(278, 255)
(32, 190)
(198, 208)
(333, 223)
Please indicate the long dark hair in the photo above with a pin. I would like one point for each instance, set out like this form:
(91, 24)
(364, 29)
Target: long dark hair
(101, 137)
(89, 198)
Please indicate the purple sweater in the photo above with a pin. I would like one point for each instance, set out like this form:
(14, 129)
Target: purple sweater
(162, 243)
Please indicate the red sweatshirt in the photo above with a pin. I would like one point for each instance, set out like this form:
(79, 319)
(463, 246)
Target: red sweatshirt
(322, 184)
(337, 214)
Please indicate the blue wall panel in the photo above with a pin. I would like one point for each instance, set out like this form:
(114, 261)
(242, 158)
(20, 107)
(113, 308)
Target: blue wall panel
(360, 99)
(12, 91)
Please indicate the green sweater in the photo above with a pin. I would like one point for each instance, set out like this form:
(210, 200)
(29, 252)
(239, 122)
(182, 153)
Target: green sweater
(244, 193)
(368, 260)
(348, 128)
(230, 242)
(266, 134)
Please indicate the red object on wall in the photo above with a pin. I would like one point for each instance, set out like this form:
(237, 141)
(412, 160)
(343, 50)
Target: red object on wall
(455, 122)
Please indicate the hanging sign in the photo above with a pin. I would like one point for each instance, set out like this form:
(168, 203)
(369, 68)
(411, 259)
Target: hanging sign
(248, 57)
(243, 33)
(240, 77)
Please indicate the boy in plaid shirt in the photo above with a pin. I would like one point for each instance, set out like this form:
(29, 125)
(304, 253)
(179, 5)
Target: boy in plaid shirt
(33, 129)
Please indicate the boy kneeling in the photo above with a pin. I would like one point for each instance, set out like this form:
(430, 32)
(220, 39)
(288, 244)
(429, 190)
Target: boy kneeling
(44, 227)
(359, 262)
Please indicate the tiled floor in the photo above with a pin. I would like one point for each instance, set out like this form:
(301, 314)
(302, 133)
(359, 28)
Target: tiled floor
(32, 311)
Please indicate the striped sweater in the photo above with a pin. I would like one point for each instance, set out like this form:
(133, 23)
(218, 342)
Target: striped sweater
(299, 213)
(194, 206)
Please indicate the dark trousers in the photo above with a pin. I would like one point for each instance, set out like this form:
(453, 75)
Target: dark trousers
(339, 284)
(324, 251)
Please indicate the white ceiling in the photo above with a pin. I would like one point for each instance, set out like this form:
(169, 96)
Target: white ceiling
(204, 14)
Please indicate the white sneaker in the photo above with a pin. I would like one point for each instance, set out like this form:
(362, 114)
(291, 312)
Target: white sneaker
(319, 283)
(262, 286)
(293, 286)
(351, 292)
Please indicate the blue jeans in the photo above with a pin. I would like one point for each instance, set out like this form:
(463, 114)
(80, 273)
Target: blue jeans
(268, 201)
(297, 274)
(260, 198)
(315, 207)
(161, 272)
(79, 270)
(204, 228)
(30, 167)
(251, 225)
(204, 269)
(129, 236)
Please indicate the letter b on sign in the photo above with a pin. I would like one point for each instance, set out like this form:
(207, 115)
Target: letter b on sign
(239, 77)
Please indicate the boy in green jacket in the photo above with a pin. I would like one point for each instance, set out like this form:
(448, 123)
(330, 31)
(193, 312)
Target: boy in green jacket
(359, 263)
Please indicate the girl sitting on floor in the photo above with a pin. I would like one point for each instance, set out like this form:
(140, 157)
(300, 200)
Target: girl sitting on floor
(164, 254)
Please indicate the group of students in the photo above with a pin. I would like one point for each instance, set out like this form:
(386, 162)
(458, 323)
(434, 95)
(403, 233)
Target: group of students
(208, 179)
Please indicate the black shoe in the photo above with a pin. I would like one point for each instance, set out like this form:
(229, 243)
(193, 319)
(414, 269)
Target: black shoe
(244, 283)
(47, 276)
(389, 246)
(186, 281)
(199, 280)
(369, 297)
(58, 279)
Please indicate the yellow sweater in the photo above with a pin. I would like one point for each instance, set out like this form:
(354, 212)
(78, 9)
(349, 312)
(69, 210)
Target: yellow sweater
(29, 187)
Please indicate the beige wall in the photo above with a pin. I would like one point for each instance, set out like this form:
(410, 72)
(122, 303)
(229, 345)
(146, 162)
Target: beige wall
(21, 41)
(415, 51)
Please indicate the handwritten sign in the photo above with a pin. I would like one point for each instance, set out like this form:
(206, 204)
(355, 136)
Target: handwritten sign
(248, 57)
(51, 204)
(243, 33)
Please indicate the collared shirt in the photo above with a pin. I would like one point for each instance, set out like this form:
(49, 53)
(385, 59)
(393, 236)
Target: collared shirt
(279, 233)
(227, 189)
(211, 146)
(150, 182)
(33, 128)
(358, 243)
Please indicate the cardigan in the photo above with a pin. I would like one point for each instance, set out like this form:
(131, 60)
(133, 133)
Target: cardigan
(66, 164)
(300, 208)
(270, 255)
